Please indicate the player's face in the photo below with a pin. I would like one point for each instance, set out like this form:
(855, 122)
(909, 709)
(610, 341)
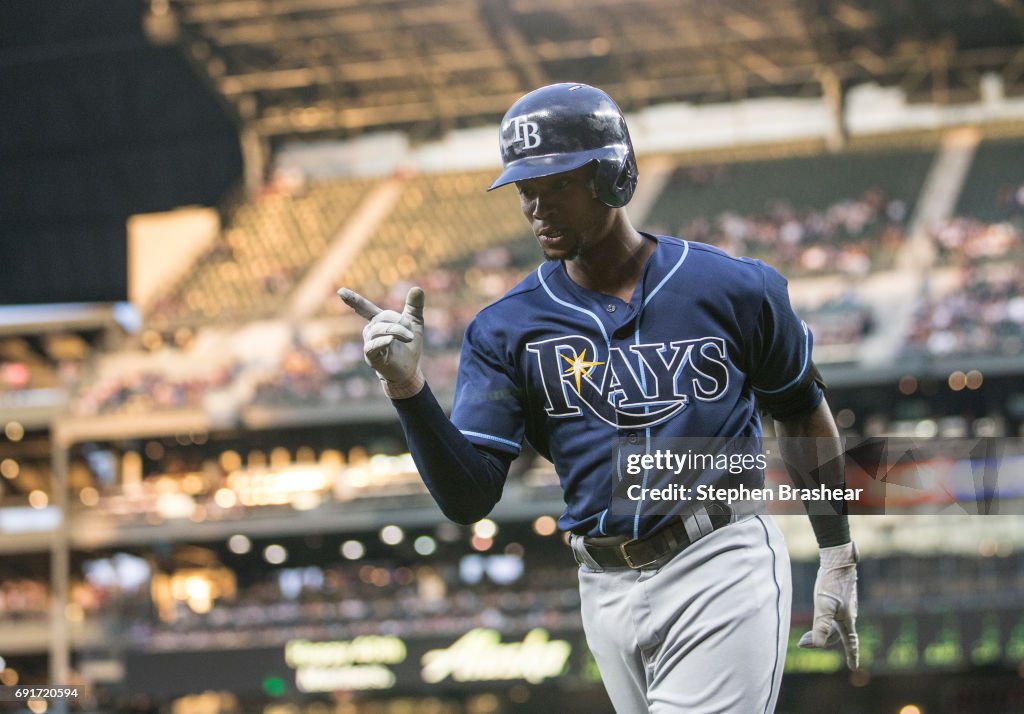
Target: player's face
(564, 212)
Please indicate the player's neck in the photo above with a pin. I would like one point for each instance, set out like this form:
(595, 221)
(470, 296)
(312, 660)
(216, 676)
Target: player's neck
(614, 265)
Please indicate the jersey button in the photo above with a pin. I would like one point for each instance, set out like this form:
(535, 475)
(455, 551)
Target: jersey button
(609, 308)
(632, 437)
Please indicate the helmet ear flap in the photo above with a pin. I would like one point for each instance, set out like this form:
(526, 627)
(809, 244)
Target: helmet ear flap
(625, 183)
(615, 181)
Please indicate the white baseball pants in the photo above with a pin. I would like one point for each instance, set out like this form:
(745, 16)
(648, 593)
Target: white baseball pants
(705, 633)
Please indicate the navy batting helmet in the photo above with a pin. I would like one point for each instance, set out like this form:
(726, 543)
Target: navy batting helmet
(562, 127)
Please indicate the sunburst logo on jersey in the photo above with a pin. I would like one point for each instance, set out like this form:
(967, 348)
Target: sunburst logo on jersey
(579, 368)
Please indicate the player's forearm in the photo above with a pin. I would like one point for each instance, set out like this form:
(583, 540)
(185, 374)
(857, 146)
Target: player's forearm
(813, 454)
(465, 482)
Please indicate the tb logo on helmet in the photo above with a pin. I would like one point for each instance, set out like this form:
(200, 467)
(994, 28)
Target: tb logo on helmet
(526, 131)
(562, 127)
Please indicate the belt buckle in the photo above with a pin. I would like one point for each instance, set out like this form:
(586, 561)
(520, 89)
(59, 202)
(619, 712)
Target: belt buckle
(629, 560)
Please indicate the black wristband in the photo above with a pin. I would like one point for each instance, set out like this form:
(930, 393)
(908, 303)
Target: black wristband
(830, 530)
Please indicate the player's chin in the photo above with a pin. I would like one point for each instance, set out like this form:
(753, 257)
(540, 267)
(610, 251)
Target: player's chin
(567, 253)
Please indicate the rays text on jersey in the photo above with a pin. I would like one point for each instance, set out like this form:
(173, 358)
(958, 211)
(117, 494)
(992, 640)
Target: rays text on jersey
(636, 386)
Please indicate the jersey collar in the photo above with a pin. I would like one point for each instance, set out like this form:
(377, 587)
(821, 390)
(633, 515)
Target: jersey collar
(664, 261)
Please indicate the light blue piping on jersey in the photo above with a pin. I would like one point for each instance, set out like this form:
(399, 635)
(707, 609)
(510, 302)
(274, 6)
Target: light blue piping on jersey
(686, 252)
(577, 308)
(647, 431)
(803, 367)
(643, 375)
(478, 435)
(607, 344)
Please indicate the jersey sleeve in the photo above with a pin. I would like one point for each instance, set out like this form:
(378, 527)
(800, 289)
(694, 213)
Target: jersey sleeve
(465, 480)
(782, 373)
(487, 407)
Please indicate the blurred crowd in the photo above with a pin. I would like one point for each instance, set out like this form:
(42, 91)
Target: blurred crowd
(385, 599)
(984, 315)
(142, 391)
(433, 597)
(352, 598)
(849, 238)
(852, 236)
(842, 321)
(49, 361)
(23, 599)
(965, 241)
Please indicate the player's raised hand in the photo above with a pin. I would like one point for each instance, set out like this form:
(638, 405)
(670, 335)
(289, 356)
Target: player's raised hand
(392, 341)
(835, 603)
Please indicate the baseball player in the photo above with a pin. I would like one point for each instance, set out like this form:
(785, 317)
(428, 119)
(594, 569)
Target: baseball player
(625, 337)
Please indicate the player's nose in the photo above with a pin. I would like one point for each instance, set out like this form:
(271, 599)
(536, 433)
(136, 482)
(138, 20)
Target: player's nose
(543, 207)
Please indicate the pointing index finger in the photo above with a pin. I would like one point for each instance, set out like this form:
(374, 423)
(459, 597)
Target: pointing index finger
(363, 307)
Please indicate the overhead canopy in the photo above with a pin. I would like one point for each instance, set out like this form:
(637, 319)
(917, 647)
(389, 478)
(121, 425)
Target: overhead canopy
(345, 66)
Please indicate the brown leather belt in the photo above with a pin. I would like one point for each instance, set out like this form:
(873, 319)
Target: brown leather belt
(637, 553)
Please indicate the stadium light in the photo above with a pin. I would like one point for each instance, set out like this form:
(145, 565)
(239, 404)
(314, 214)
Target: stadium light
(392, 535)
(14, 431)
(225, 498)
(9, 677)
(239, 544)
(89, 496)
(275, 554)
(485, 528)
(481, 544)
(9, 469)
(352, 550)
(544, 526)
(425, 545)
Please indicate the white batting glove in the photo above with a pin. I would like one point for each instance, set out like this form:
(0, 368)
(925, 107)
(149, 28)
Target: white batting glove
(392, 342)
(835, 603)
